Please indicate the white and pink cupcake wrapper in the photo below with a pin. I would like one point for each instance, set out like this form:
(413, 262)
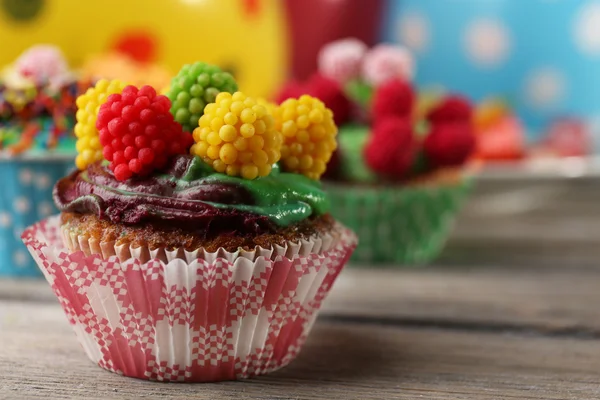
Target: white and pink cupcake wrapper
(191, 318)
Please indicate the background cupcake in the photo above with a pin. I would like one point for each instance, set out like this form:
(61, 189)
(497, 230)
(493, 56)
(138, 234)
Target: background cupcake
(194, 260)
(398, 177)
(37, 145)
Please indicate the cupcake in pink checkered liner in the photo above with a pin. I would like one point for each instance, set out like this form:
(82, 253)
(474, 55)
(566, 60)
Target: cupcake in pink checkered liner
(193, 256)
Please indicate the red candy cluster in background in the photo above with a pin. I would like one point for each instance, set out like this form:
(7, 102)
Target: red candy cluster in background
(393, 147)
(451, 139)
(373, 88)
(138, 133)
(395, 98)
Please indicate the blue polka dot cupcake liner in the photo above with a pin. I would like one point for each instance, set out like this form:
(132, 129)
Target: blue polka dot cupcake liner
(25, 198)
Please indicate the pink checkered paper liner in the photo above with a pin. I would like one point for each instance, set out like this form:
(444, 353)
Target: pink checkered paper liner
(196, 318)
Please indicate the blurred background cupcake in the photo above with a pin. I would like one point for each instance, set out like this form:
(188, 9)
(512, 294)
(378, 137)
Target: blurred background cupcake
(398, 175)
(37, 145)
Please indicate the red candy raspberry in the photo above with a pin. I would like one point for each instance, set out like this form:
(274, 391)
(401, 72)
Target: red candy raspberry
(452, 109)
(391, 148)
(393, 98)
(449, 144)
(138, 133)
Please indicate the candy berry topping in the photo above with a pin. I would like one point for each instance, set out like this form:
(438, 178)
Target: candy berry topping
(341, 60)
(393, 98)
(237, 136)
(449, 144)
(391, 147)
(138, 133)
(195, 86)
(88, 145)
(325, 89)
(331, 93)
(309, 135)
(385, 62)
(451, 109)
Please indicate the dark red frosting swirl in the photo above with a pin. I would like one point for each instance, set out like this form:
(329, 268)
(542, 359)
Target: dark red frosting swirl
(161, 199)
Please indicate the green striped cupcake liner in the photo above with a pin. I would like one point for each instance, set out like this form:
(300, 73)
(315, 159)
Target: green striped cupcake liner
(406, 225)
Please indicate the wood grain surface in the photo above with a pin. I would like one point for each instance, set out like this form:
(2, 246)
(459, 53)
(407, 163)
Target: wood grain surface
(554, 301)
(551, 300)
(340, 361)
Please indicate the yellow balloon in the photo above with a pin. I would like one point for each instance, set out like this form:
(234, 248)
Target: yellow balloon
(247, 37)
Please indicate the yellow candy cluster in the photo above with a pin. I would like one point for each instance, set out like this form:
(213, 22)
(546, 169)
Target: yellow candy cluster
(309, 135)
(271, 107)
(88, 104)
(237, 136)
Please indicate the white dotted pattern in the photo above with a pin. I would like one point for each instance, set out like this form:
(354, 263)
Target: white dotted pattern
(20, 258)
(25, 176)
(42, 181)
(5, 220)
(414, 31)
(487, 42)
(22, 205)
(545, 87)
(586, 28)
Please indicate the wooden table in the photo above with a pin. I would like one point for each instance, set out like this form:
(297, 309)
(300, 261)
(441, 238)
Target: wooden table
(509, 326)
(440, 333)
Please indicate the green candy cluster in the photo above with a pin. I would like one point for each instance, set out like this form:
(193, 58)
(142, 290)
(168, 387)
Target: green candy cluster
(193, 88)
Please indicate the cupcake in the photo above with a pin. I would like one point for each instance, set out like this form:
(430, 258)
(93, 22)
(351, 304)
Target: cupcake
(191, 251)
(400, 172)
(37, 145)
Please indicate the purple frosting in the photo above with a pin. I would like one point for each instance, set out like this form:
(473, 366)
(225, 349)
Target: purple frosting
(161, 199)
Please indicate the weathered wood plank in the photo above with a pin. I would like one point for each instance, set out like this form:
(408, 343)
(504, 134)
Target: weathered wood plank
(550, 300)
(553, 300)
(26, 290)
(39, 358)
(528, 222)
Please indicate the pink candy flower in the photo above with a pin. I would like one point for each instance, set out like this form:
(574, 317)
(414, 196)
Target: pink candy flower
(341, 60)
(42, 64)
(385, 62)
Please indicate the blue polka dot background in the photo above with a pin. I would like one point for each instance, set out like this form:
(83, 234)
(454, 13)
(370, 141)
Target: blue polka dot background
(542, 56)
(25, 198)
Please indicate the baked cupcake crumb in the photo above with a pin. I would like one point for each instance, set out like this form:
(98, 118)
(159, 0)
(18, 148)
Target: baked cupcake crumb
(156, 236)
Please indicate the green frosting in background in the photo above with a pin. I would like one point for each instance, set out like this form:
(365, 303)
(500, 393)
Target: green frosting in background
(352, 139)
(359, 91)
(285, 198)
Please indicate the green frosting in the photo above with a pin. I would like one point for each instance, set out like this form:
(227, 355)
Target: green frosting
(285, 198)
(359, 91)
(352, 139)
